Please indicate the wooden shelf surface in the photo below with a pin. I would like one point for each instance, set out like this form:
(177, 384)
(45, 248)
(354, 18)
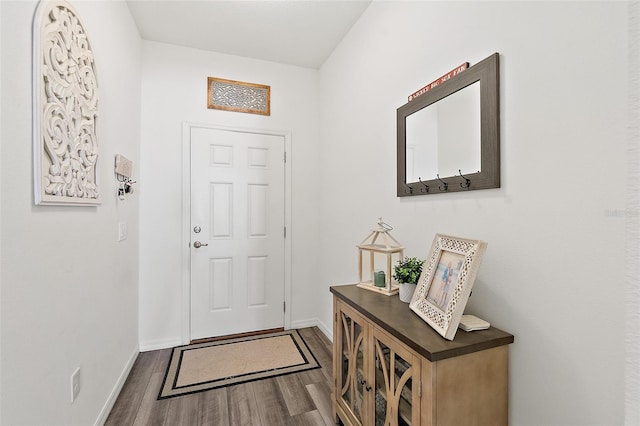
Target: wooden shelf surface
(395, 317)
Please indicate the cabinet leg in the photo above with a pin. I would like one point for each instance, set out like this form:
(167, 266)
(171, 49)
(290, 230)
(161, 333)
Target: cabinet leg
(336, 418)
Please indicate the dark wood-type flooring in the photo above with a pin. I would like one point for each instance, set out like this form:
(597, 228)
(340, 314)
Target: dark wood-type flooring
(295, 399)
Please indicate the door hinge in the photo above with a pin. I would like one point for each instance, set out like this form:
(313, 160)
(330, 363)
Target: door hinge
(285, 156)
(285, 232)
(284, 306)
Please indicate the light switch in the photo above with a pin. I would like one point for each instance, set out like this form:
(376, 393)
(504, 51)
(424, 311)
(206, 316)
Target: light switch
(122, 231)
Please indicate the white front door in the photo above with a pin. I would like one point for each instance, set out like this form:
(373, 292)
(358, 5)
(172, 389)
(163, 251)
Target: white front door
(237, 232)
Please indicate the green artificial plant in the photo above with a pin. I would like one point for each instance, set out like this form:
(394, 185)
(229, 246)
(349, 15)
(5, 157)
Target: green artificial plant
(408, 270)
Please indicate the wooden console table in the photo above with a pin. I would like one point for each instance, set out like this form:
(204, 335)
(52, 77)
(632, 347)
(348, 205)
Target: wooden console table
(391, 368)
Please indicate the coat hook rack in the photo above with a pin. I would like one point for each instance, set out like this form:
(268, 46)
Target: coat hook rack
(446, 185)
(410, 189)
(426, 187)
(125, 187)
(467, 181)
(124, 171)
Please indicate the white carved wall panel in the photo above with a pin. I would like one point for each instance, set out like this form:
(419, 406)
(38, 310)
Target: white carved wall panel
(65, 105)
(220, 283)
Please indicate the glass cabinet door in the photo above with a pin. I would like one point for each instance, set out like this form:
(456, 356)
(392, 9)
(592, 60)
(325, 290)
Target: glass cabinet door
(352, 381)
(396, 372)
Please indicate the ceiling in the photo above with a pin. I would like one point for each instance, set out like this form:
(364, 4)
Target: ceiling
(294, 32)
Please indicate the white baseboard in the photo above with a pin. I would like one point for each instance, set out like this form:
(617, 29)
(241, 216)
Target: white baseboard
(310, 322)
(314, 322)
(160, 344)
(113, 396)
(328, 331)
(172, 343)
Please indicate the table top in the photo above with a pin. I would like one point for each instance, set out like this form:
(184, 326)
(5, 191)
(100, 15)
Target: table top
(396, 318)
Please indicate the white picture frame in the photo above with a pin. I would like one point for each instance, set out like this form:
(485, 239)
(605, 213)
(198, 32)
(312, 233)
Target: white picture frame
(446, 281)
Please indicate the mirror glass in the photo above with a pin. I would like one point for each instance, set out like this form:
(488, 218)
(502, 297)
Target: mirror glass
(444, 137)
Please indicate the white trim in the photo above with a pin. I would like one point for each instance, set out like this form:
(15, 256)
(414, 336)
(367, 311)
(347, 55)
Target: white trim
(186, 214)
(115, 392)
(632, 225)
(155, 345)
(305, 323)
(328, 331)
(314, 322)
(186, 232)
(1, 117)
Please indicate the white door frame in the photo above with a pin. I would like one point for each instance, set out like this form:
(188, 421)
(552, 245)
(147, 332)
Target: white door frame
(186, 218)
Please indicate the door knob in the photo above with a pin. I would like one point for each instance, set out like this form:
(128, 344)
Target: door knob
(198, 244)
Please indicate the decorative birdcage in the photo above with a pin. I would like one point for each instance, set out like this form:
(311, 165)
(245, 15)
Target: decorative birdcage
(377, 254)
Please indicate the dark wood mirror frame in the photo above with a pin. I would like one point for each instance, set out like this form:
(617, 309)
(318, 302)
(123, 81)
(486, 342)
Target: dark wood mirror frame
(487, 73)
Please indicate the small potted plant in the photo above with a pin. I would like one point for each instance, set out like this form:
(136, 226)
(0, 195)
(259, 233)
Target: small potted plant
(406, 273)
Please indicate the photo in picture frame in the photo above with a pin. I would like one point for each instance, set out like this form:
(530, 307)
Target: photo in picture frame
(446, 281)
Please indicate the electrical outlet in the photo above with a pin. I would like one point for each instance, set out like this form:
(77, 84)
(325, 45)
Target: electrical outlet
(122, 231)
(75, 384)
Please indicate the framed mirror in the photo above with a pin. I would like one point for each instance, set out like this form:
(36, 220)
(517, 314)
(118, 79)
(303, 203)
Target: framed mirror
(448, 137)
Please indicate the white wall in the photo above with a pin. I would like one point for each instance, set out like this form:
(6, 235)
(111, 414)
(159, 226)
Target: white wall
(1, 60)
(69, 290)
(174, 90)
(632, 338)
(554, 272)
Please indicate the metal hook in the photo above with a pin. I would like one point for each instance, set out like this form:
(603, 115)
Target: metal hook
(446, 185)
(410, 191)
(467, 182)
(426, 187)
